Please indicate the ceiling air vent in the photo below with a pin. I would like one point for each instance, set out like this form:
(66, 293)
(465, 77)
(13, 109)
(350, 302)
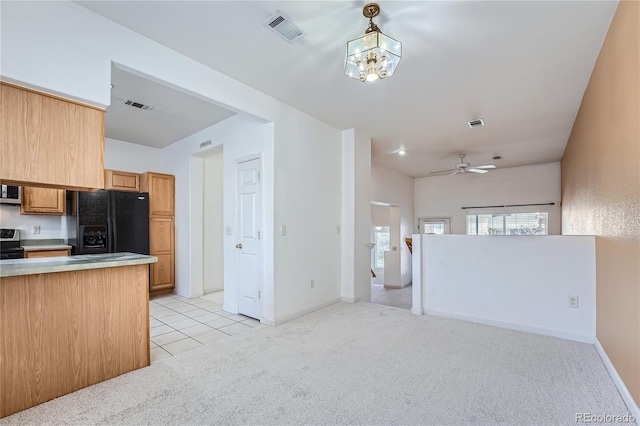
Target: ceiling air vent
(137, 105)
(284, 27)
(476, 123)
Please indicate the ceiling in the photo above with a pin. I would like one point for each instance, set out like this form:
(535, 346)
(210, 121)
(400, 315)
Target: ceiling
(521, 66)
(174, 115)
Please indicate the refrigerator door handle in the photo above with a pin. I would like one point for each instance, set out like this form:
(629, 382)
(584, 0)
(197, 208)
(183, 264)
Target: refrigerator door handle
(111, 223)
(110, 236)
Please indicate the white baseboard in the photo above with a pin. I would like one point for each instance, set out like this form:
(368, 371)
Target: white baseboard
(289, 317)
(349, 299)
(624, 392)
(417, 311)
(585, 338)
(196, 295)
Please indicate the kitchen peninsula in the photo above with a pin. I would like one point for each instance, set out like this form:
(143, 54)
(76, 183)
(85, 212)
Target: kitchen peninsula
(70, 322)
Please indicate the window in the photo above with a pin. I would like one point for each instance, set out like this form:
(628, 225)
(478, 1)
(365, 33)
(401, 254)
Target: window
(528, 223)
(434, 226)
(383, 243)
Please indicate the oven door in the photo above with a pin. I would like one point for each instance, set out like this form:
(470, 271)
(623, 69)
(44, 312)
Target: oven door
(11, 253)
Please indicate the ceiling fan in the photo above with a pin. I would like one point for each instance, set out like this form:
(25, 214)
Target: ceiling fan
(463, 167)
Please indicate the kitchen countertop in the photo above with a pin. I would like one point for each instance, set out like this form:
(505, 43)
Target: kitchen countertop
(17, 267)
(46, 247)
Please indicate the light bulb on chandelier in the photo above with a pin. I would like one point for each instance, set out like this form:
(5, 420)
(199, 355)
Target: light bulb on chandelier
(380, 52)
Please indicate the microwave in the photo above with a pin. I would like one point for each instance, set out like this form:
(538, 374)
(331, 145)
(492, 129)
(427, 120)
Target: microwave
(10, 194)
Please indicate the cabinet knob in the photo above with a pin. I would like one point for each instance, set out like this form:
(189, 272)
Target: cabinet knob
(238, 246)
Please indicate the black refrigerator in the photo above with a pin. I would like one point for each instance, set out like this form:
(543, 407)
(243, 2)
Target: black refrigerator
(108, 222)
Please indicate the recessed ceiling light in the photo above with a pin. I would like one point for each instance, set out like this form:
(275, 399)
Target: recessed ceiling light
(402, 151)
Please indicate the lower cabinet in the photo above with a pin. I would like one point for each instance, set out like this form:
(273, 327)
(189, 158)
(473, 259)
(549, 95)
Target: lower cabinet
(46, 253)
(161, 239)
(162, 272)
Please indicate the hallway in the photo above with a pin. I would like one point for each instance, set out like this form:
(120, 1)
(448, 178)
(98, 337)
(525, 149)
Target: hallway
(397, 297)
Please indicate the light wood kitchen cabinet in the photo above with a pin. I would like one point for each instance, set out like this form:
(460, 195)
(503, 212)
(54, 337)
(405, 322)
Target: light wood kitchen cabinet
(161, 231)
(50, 141)
(162, 273)
(42, 201)
(32, 254)
(161, 189)
(121, 181)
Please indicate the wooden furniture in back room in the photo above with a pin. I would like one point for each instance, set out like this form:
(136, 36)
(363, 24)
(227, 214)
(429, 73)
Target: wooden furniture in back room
(49, 141)
(161, 189)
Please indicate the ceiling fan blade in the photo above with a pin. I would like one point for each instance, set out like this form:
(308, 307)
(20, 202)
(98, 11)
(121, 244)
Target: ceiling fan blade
(474, 170)
(442, 171)
(486, 166)
(456, 172)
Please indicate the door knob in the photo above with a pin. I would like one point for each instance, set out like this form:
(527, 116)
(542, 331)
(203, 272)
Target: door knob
(238, 246)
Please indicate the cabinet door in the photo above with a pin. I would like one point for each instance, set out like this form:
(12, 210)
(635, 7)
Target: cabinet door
(42, 201)
(121, 181)
(46, 253)
(49, 141)
(160, 234)
(162, 272)
(161, 189)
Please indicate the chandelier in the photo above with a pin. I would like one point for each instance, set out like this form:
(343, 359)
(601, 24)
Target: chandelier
(374, 55)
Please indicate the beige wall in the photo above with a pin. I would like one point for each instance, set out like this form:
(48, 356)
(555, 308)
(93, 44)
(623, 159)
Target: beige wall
(601, 189)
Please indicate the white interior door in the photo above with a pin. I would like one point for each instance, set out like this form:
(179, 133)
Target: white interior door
(249, 248)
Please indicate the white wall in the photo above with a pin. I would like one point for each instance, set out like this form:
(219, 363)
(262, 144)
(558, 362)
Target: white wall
(523, 283)
(391, 187)
(213, 224)
(130, 157)
(356, 216)
(51, 226)
(66, 49)
(444, 196)
(239, 136)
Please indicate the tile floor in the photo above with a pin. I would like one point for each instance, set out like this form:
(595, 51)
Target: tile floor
(178, 324)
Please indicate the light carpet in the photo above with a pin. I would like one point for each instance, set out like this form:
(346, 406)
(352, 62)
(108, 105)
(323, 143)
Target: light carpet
(354, 364)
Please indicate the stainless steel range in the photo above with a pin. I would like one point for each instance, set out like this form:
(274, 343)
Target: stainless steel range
(10, 244)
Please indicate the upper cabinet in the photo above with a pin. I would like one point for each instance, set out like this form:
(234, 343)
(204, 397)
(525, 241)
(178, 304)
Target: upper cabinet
(161, 189)
(50, 141)
(121, 181)
(42, 201)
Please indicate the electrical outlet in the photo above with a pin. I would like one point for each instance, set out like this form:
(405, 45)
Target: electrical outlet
(35, 229)
(573, 301)
(312, 283)
(284, 230)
